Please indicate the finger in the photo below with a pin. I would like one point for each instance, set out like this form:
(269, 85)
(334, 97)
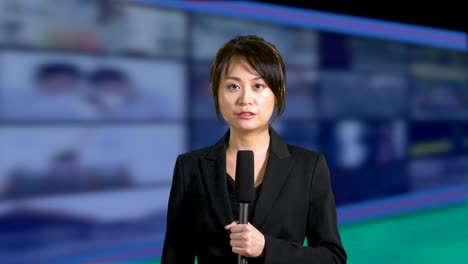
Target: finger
(239, 228)
(236, 243)
(239, 236)
(239, 251)
(228, 227)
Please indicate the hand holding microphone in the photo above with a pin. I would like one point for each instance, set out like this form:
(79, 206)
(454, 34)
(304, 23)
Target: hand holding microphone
(246, 240)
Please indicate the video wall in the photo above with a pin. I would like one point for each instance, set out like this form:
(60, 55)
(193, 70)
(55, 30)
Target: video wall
(97, 99)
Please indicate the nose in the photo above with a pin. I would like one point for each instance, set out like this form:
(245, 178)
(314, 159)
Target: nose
(245, 97)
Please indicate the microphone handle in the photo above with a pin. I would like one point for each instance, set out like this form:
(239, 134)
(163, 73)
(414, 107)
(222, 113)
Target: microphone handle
(243, 213)
(243, 219)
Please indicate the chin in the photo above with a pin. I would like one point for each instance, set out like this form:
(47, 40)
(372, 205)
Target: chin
(249, 127)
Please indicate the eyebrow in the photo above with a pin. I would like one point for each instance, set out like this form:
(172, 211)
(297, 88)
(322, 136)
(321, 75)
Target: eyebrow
(238, 79)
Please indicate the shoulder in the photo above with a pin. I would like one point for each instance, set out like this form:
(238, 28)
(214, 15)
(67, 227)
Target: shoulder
(304, 153)
(195, 154)
(307, 157)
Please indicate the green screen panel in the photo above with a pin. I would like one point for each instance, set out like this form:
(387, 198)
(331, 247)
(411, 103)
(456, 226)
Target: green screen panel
(434, 236)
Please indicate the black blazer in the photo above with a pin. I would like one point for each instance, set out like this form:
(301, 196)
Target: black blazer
(296, 202)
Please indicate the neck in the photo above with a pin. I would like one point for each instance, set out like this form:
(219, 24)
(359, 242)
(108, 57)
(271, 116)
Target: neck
(256, 141)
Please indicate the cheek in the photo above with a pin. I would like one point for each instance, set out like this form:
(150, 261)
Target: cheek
(268, 101)
(224, 103)
(222, 100)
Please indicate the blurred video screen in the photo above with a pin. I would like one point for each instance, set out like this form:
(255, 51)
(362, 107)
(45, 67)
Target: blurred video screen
(441, 139)
(297, 46)
(371, 55)
(110, 27)
(66, 87)
(68, 228)
(439, 84)
(355, 143)
(345, 94)
(432, 173)
(48, 160)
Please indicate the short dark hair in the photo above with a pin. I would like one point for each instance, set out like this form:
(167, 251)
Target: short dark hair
(262, 56)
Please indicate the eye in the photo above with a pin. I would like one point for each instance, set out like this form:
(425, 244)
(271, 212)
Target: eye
(259, 86)
(232, 87)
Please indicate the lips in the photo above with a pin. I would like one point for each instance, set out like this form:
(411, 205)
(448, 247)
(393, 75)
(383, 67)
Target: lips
(246, 115)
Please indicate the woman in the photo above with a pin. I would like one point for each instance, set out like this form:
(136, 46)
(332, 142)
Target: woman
(294, 200)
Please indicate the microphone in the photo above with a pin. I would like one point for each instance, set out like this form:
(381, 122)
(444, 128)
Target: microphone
(244, 187)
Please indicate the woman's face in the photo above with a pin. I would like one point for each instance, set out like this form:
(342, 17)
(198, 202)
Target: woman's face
(245, 100)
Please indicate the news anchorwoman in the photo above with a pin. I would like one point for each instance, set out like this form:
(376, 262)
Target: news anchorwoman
(293, 196)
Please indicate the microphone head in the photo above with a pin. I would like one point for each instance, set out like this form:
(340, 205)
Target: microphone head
(245, 176)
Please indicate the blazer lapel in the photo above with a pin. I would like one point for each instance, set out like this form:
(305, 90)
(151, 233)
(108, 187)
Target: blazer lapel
(213, 168)
(279, 164)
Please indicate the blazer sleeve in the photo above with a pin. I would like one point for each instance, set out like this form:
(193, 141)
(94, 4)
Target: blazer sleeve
(177, 248)
(323, 239)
